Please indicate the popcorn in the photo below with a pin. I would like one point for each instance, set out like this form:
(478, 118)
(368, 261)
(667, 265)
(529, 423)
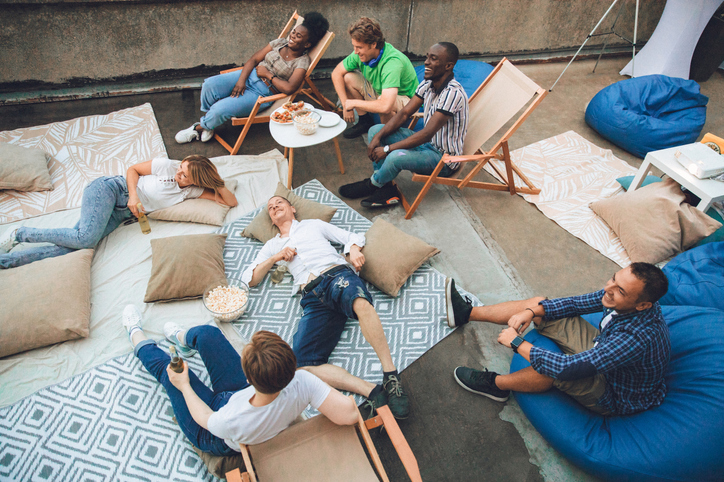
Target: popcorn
(226, 302)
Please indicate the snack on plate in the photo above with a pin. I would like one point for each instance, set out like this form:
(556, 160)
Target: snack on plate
(284, 117)
(294, 106)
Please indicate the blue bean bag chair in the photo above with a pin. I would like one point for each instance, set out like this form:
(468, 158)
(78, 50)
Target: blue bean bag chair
(682, 438)
(470, 74)
(648, 113)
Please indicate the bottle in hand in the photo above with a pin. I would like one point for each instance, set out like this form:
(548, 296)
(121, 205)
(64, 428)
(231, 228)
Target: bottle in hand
(278, 275)
(176, 364)
(143, 220)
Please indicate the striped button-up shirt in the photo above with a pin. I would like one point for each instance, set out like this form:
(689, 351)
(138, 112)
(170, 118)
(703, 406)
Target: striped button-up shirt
(451, 101)
(632, 352)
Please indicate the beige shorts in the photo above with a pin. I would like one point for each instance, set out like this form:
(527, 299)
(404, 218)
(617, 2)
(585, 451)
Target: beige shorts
(575, 335)
(363, 86)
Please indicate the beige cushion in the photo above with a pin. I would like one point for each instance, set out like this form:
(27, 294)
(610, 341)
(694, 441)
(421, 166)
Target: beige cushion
(184, 266)
(654, 222)
(202, 211)
(392, 255)
(261, 226)
(24, 169)
(45, 302)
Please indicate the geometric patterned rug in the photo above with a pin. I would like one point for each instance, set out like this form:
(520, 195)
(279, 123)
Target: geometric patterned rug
(113, 422)
(413, 322)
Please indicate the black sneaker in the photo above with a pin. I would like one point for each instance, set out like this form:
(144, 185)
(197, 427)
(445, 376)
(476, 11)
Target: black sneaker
(368, 409)
(458, 309)
(482, 383)
(358, 189)
(387, 195)
(361, 127)
(396, 399)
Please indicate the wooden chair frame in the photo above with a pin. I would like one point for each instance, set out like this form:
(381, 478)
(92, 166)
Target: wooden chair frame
(482, 158)
(383, 418)
(255, 117)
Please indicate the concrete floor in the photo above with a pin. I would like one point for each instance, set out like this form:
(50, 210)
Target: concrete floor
(497, 246)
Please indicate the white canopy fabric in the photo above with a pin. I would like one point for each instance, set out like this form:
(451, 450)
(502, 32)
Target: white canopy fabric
(672, 44)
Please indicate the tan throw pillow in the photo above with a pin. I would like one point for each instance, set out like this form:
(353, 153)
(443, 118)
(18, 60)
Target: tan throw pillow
(261, 226)
(654, 222)
(24, 169)
(201, 211)
(184, 266)
(45, 302)
(391, 256)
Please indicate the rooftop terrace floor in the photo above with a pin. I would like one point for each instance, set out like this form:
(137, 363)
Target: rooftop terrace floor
(496, 246)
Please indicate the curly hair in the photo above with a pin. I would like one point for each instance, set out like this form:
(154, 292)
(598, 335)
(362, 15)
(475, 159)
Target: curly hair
(368, 31)
(268, 362)
(316, 26)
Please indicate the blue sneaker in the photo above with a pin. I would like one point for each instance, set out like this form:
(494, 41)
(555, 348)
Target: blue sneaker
(171, 331)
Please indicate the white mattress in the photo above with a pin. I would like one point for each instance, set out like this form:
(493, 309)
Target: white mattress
(119, 274)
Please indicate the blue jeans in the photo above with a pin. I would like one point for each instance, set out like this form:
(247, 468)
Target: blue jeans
(218, 104)
(421, 159)
(103, 208)
(326, 310)
(224, 366)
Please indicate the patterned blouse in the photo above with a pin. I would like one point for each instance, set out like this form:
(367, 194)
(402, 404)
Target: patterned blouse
(283, 69)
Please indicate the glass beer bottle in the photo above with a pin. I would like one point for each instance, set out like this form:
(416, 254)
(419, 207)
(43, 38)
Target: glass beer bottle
(143, 220)
(176, 364)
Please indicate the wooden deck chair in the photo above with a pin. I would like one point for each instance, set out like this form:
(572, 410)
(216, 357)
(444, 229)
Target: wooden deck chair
(500, 97)
(311, 91)
(320, 450)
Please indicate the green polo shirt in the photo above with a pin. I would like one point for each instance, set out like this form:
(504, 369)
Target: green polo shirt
(393, 70)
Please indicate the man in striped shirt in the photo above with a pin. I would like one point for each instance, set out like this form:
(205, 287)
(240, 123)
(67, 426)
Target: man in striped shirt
(393, 148)
(617, 369)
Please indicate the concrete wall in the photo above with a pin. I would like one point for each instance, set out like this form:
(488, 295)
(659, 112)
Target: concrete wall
(80, 41)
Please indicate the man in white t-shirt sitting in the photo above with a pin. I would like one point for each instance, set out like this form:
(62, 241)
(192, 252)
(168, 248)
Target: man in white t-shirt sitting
(254, 397)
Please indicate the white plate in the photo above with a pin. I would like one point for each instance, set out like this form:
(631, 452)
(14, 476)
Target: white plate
(281, 109)
(329, 119)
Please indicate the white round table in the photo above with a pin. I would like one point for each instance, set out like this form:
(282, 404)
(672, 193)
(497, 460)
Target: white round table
(288, 136)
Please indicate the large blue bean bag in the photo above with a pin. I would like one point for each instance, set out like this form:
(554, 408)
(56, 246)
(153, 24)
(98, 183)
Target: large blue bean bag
(470, 74)
(696, 277)
(648, 113)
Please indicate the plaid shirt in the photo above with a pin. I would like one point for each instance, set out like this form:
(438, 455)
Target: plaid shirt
(632, 352)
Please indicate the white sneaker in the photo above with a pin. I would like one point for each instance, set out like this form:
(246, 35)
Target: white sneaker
(207, 135)
(132, 319)
(171, 330)
(188, 135)
(9, 240)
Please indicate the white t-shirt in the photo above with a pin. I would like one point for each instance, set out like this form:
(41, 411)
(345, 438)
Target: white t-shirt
(160, 190)
(240, 422)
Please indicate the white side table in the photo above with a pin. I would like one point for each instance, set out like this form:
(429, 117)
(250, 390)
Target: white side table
(288, 136)
(708, 190)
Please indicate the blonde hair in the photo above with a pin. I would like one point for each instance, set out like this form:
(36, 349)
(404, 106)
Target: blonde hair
(203, 173)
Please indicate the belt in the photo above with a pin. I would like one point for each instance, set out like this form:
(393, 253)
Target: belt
(330, 272)
(270, 85)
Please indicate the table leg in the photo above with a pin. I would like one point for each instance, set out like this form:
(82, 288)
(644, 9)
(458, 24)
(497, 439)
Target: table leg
(704, 204)
(291, 168)
(339, 155)
(640, 176)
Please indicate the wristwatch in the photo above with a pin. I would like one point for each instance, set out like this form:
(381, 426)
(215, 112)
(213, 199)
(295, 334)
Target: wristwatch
(516, 343)
(386, 149)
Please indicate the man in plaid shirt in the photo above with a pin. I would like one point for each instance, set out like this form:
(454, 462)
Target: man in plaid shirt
(617, 370)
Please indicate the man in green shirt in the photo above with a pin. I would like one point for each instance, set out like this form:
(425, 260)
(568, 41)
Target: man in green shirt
(375, 78)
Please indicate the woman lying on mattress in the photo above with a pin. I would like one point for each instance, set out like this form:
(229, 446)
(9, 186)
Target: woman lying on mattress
(279, 67)
(110, 201)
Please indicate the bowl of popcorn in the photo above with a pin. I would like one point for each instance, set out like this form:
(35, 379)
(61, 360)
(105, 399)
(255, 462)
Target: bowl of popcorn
(227, 300)
(306, 121)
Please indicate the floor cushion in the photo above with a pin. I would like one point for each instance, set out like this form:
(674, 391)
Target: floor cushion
(648, 113)
(696, 277)
(678, 440)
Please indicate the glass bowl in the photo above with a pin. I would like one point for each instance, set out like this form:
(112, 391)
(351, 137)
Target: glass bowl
(306, 121)
(227, 300)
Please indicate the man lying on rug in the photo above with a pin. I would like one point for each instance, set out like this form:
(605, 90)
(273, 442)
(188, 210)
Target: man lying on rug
(254, 396)
(331, 293)
(110, 201)
(618, 370)
(394, 148)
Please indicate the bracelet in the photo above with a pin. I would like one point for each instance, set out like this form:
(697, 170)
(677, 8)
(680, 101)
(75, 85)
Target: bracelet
(534, 315)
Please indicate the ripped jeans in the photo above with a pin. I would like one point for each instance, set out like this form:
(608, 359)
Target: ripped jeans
(326, 310)
(421, 159)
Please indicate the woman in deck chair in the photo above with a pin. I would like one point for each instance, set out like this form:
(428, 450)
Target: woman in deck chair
(110, 201)
(279, 67)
